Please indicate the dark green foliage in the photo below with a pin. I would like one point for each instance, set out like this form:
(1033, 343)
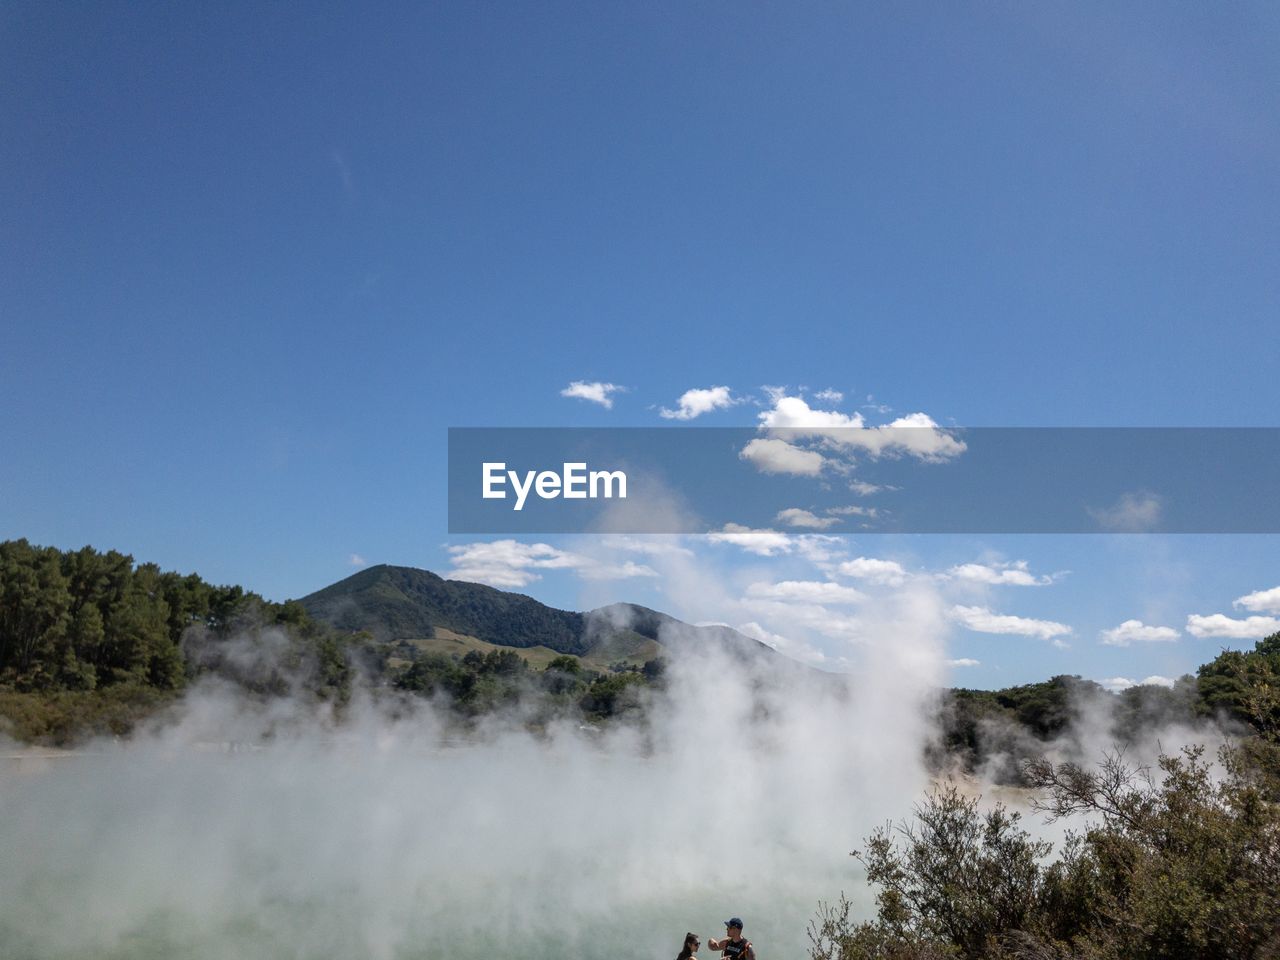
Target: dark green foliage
(1169, 866)
(564, 677)
(1045, 709)
(1012, 725)
(89, 623)
(954, 878)
(1009, 724)
(61, 717)
(1146, 707)
(1245, 686)
(479, 683)
(35, 615)
(76, 626)
(1181, 862)
(612, 694)
(503, 663)
(434, 673)
(1189, 862)
(566, 664)
(655, 670)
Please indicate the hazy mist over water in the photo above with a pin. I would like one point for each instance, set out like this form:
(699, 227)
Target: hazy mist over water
(387, 837)
(378, 838)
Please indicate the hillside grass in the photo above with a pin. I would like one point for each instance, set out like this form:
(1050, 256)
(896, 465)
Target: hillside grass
(628, 647)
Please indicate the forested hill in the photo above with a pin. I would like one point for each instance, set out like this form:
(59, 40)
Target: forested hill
(92, 642)
(396, 603)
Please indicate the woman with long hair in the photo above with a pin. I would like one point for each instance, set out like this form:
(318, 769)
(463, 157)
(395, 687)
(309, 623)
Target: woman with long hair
(690, 949)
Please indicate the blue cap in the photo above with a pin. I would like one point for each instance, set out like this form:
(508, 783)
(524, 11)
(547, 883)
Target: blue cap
(734, 922)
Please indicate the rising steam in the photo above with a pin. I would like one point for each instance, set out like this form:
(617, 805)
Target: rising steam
(264, 828)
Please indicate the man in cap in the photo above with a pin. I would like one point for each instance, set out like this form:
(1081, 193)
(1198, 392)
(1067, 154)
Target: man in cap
(733, 945)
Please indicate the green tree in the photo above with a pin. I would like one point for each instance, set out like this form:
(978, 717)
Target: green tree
(1177, 864)
(87, 635)
(611, 695)
(34, 614)
(1243, 685)
(564, 677)
(954, 878)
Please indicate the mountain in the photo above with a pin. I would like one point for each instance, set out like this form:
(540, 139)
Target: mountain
(405, 603)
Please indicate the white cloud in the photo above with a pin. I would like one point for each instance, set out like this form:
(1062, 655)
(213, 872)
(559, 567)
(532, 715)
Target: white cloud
(887, 572)
(355, 560)
(915, 434)
(1220, 625)
(511, 563)
(1135, 631)
(777, 456)
(806, 591)
(1260, 601)
(999, 574)
(793, 413)
(507, 563)
(817, 548)
(964, 662)
(829, 396)
(982, 620)
(1132, 513)
(763, 543)
(853, 511)
(795, 517)
(1119, 684)
(694, 403)
(595, 391)
(615, 571)
(799, 435)
(864, 489)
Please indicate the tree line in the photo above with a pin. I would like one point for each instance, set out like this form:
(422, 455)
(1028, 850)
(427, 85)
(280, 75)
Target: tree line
(85, 628)
(1176, 862)
(480, 683)
(91, 642)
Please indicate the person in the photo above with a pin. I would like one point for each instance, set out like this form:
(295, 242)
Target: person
(690, 949)
(733, 945)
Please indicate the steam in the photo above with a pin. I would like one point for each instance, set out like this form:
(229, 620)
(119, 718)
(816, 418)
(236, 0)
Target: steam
(256, 827)
(262, 827)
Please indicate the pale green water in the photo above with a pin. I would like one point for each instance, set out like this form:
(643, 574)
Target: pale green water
(316, 931)
(316, 854)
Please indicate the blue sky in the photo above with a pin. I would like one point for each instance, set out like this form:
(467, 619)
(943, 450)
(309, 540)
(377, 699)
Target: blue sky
(255, 261)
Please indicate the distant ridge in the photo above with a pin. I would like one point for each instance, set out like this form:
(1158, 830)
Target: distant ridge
(396, 603)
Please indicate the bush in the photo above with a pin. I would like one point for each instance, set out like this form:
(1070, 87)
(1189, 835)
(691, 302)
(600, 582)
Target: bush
(1173, 864)
(63, 718)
